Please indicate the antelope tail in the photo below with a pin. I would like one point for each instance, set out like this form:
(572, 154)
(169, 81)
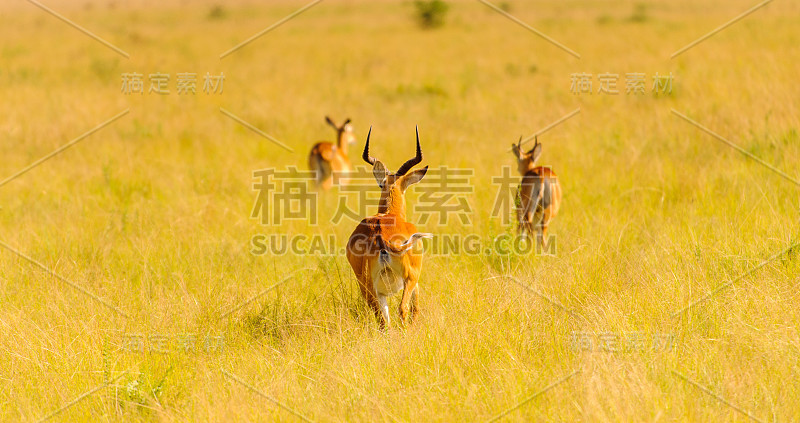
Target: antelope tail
(318, 166)
(413, 240)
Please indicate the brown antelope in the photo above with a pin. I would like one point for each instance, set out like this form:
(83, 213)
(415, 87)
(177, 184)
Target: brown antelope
(538, 195)
(380, 250)
(326, 158)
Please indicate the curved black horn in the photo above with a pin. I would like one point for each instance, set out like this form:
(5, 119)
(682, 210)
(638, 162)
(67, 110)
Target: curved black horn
(367, 158)
(412, 162)
(535, 143)
(330, 121)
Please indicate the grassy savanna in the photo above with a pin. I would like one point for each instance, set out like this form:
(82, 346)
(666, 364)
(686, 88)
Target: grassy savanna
(151, 214)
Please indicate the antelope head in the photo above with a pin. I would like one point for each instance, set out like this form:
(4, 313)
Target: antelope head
(393, 185)
(526, 161)
(344, 132)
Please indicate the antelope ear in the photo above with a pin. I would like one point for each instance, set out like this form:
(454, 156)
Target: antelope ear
(412, 178)
(379, 171)
(330, 122)
(535, 152)
(515, 150)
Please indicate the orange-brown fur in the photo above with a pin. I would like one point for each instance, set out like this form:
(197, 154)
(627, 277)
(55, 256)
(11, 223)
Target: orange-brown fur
(532, 215)
(387, 231)
(327, 158)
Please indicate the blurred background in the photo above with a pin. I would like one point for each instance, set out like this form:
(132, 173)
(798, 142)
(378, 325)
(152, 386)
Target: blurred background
(152, 212)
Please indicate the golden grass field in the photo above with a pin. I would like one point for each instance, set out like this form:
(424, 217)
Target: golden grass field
(152, 214)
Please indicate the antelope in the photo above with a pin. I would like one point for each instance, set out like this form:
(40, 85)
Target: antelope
(538, 195)
(381, 248)
(326, 158)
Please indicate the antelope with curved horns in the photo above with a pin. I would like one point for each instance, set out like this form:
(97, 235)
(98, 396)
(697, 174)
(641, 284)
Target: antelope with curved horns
(326, 158)
(539, 193)
(381, 249)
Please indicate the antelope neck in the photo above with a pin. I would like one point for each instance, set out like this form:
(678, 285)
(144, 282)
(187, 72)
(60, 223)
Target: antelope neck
(393, 203)
(340, 142)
